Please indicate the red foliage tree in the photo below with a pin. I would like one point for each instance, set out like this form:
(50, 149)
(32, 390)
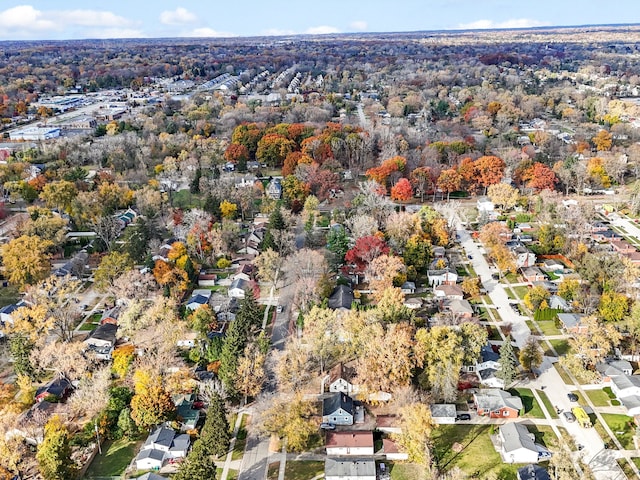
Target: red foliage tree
(540, 177)
(489, 170)
(402, 191)
(365, 250)
(382, 172)
(236, 153)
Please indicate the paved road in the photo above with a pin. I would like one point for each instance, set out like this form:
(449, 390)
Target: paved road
(601, 461)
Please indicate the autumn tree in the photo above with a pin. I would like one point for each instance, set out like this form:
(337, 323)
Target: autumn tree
(151, 403)
(290, 417)
(423, 178)
(490, 170)
(273, 149)
(382, 271)
(598, 341)
(536, 298)
(237, 154)
(439, 353)
(402, 191)
(503, 194)
(415, 439)
(251, 371)
(387, 168)
(540, 177)
(365, 250)
(54, 453)
(613, 306)
(112, 266)
(59, 195)
(449, 181)
(228, 209)
(26, 260)
(531, 354)
(602, 141)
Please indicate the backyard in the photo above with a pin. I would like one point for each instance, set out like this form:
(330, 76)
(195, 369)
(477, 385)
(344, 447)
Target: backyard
(475, 456)
(116, 457)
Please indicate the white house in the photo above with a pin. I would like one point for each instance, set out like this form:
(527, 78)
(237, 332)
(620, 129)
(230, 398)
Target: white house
(487, 366)
(517, 444)
(161, 445)
(485, 205)
(238, 288)
(350, 443)
(102, 341)
(340, 378)
(445, 276)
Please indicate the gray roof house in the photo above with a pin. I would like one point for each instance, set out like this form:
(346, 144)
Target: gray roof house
(102, 340)
(341, 298)
(238, 288)
(338, 409)
(443, 413)
(517, 445)
(340, 468)
(161, 445)
(533, 472)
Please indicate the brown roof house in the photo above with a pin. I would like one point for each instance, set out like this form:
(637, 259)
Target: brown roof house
(349, 443)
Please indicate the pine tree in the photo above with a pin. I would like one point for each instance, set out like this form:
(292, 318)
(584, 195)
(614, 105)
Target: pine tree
(276, 220)
(216, 433)
(198, 464)
(508, 369)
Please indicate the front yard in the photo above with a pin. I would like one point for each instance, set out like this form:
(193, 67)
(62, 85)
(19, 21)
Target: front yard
(474, 453)
(529, 403)
(302, 470)
(622, 427)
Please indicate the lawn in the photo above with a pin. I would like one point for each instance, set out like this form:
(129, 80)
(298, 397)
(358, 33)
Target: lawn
(8, 295)
(521, 291)
(511, 277)
(116, 457)
(626, 468)
(548, 327)
(510, 294)
(547, 403)
(88, 327)
(545, 436)
(232, 474)
(529, 403)
(302, 470)
(404, 471)
(598, 397)
(564, 375)
(560, 346)
(622, 427)
(477, 457)
(241, 440)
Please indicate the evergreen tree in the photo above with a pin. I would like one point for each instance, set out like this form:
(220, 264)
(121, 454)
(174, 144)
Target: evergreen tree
(276, 220)
(338, 245)
(508, 369)
(195, 183)
(198, 464)
(212, 206)
(126, 425)
(234, 344)
(20, 348)
(216, 434)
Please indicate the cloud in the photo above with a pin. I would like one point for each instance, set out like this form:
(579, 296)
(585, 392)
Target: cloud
(207, 32)
(511, 23)
(321, 30)
(277, 32)
(359, 25)
(179, 16)
(25, 21)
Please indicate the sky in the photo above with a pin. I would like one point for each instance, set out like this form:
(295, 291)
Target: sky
(77, 19)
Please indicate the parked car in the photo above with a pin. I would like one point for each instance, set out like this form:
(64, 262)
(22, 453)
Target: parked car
(279, 309)
(572, 397)
(463, 416)
(470, 257)
(569, 417)
(327, 426)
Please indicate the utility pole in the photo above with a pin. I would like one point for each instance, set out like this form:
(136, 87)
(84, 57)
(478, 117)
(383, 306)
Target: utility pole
(95, 424)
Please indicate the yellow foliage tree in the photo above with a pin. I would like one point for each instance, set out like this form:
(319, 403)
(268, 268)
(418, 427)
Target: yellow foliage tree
(228, 209)
(26, 260)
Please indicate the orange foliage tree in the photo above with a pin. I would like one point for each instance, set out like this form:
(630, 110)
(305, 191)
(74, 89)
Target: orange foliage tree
(381, 173)
(490, 170)
(540, 177)
(402, 191)
(449, 181)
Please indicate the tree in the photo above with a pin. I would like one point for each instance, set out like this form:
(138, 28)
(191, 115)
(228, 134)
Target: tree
(126, 424)
(151, 404)
(54, 453)
(531, 354)
(273, 149)
(59, 195)
(44, 224)
(597, 341)
(540, 177)
(439, 352)
(569, 289)
(508, 369)
(415, 439)
(449, 181)
(236, 154)
(290, 417)
(382, 271)
(381, 173)
(321, 335)
(602, 140)
(108, 228)
(613, 306)
(337, 244)
(251, 372)
(26, 260)
(489, 170)
(536, 298)
(232, 348)
(112, 266)
(197, 464)
(365, 250)
(402, 191)
(216, 433)
(423, 178)
(503, 194)
(228, 209)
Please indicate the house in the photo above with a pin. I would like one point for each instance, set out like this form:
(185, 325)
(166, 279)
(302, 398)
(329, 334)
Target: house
(392, 452)
(533, 274)
(448, 291)
(485, 205)
(443, 413)
(74, 267)
(413, 303)
(341, 298)
(625, 385)
(408, 288)
(6, 312)
(37, 416)
(338, 409)
(614, 368)
(516, 444)
(558, 303)
(460, 308)
(102, 341)
(152, 476)
(622, 246)
(349, 443)
(572, 323)
(340, 378)
(186, 414)
(533, 472)
(161, 445)
(238, 288)
(552, 265)
(199, 297)
(438, 252)
(497, 403)
(58, 388)
(487, 367)
(111, 315)
(274, 189)
(349, 469)
(523, 256)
